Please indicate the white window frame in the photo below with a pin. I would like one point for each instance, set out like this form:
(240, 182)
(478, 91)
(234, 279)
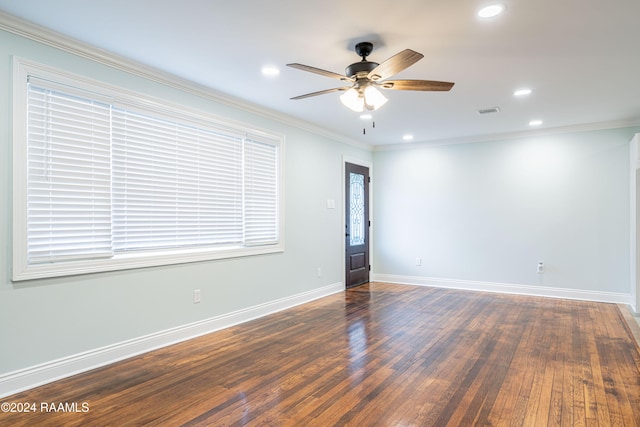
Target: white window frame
(23, 270)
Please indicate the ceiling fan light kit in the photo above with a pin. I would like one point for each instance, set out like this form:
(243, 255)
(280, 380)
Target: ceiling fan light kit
(367, 77)
(358, 100)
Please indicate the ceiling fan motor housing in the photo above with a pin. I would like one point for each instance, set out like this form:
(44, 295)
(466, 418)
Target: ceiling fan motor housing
(363, 68)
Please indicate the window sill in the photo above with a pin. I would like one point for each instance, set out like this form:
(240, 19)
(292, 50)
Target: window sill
(137, 260)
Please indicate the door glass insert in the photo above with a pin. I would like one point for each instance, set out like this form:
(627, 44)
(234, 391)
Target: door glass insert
(356, 236)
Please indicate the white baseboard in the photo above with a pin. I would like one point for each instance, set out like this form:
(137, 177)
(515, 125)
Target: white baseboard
(506, 288)
(24, 379)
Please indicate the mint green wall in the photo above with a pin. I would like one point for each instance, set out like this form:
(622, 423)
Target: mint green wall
(43, 320)
(490, 211)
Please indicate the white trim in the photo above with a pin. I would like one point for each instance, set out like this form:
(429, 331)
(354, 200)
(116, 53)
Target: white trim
(585, 127)
(506, 288)
(22, 270)
(634, 237)
(24, 379)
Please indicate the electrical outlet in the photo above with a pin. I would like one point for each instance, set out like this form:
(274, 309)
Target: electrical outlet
(319, 272)
(418, 261)
(196, 296)
(540, 268)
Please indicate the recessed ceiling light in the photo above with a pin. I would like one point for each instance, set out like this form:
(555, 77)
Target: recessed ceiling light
(407, 137)
(522, 92)
(270, 71)
(491, 11)
(535, 122)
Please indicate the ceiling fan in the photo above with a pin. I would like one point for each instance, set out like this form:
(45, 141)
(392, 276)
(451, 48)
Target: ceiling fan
(367, 77)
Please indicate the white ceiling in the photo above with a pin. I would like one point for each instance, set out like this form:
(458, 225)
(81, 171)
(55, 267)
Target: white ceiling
(580, 57)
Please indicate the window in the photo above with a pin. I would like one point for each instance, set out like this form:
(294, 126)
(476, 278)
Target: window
(105, 179)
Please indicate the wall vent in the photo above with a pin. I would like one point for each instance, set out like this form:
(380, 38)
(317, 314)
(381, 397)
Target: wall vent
(489, 110)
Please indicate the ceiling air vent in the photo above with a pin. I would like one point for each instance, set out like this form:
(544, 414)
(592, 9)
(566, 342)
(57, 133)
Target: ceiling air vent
(489, 110)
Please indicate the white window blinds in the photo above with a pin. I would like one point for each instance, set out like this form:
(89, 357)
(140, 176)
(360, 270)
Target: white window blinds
(106, 179)
(174, 185)
(69, 211)
(261, 192)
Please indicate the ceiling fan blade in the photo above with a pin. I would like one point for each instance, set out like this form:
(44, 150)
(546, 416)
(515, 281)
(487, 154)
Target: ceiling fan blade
(426, 85)
(320, 71)
(395, 64)
(321, 92)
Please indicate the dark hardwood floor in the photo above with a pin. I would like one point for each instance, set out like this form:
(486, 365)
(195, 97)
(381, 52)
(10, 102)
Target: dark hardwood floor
(375, 355)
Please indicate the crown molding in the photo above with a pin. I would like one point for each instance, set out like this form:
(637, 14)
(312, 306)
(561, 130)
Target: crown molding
(45, 36)
(70, 45)
(584, 127)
